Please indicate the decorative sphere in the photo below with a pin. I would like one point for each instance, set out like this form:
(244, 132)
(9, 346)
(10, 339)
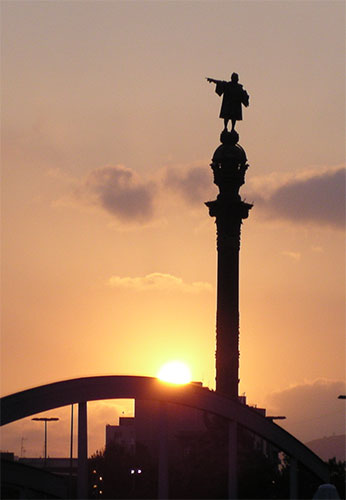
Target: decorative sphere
(229, 138)
(230, 154)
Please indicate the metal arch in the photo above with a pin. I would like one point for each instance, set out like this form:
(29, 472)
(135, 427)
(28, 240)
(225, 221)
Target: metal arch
(46, 397)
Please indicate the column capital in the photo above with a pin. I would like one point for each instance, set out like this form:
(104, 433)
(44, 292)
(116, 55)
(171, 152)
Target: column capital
(229, 209)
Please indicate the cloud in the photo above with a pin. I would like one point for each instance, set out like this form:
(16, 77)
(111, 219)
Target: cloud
(312, 409)
(118, 190)
(158, 282)
(316, 197)
(311, 197)
(317, 249)
(193, 184)
(130, 199)
(292, 255)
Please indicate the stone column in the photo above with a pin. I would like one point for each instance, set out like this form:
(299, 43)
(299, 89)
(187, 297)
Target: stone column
(229, 165)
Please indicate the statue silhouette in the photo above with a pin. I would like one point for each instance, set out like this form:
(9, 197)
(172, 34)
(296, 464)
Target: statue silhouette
(233, 97)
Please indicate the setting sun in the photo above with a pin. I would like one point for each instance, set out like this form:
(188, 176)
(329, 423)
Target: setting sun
(175, 372)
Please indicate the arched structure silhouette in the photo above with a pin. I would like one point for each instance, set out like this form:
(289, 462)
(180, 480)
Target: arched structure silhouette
(82, 390)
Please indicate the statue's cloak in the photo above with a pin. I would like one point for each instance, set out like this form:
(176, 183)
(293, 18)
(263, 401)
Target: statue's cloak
(233, 97)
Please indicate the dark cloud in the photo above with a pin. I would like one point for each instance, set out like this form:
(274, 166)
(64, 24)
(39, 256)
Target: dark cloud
(117, 190)
(131, 199)
(318, 199)
(314, 198)
(192, 184)
(312, 409)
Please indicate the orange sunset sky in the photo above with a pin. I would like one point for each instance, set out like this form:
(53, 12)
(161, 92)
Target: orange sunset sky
(109, 258)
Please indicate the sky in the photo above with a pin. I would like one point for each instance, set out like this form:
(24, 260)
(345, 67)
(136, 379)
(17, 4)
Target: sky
(108, 251)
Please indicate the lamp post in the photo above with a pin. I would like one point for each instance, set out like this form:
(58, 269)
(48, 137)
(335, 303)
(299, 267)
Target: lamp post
(45, 420)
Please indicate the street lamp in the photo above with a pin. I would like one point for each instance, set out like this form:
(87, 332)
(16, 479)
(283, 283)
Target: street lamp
(45, 420)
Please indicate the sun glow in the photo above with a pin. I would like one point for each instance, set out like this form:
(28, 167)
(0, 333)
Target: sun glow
(175, 372)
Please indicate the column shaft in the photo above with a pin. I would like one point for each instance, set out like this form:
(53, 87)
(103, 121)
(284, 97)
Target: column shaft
(227, 319)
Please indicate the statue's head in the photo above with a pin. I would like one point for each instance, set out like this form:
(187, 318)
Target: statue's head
(235, 77)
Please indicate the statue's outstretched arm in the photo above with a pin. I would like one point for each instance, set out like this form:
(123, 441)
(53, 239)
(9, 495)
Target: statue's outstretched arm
(211, 80)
